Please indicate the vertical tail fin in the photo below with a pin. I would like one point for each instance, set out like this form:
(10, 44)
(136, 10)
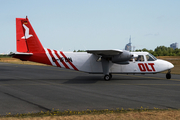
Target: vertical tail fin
(26, 38)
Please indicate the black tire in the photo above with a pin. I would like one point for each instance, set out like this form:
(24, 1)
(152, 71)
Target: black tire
(168, 76)
(107, 77)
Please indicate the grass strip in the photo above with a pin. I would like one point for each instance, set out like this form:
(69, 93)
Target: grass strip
(116, 113)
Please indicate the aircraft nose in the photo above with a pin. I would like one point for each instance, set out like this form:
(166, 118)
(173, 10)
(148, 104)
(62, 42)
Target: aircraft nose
(170, 65)
(164, 65)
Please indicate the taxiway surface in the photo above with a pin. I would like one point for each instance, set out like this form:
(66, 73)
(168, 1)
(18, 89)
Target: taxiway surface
(28, 88)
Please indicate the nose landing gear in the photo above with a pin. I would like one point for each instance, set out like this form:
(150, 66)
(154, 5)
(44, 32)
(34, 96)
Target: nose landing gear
(168, 75)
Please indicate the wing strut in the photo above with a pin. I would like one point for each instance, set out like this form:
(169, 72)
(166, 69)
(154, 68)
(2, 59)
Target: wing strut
(105, 67)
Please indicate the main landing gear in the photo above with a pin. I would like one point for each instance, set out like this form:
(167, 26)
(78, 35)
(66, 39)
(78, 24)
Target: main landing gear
(168, 75)
(108, 77)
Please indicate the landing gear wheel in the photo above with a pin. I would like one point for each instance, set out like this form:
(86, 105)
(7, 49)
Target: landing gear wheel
(168, 76)
(107, 77)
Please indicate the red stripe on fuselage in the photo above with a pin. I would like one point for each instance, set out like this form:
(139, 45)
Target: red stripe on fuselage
(54, 59)
(65, 65)
(68, 60)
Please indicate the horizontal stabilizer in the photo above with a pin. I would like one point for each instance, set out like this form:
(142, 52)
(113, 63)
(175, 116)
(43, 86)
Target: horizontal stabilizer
(20, 53)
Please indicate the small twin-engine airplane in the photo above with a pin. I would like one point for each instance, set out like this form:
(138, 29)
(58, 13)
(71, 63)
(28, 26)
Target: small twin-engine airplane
(105, 62)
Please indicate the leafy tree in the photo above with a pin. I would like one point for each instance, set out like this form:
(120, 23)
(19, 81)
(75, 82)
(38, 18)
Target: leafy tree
(163, 51)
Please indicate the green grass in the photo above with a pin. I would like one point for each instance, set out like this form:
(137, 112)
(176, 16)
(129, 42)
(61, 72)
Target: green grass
(5, 56)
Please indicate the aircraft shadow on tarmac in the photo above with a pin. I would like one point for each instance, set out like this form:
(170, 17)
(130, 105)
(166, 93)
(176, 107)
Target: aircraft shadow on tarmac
(94, 79)
(84, 80)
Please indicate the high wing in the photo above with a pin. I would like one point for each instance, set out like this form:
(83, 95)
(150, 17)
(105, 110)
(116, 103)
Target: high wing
(105, 52)
(115, 55)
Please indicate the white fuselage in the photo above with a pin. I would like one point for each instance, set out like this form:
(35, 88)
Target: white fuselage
(87, 62)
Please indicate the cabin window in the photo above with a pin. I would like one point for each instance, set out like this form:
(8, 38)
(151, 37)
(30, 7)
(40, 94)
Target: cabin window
(131, 60)
(140, 58)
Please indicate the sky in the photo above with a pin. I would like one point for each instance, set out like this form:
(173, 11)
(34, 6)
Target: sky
(69, 25)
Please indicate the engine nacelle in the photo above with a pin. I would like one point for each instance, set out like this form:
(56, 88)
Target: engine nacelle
(122, 57)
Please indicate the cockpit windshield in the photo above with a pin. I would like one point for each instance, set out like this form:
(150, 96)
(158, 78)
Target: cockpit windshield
(150, 57)
(153, 56)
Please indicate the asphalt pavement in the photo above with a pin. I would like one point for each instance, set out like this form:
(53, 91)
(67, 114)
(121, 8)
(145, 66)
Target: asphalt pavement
(30, 88)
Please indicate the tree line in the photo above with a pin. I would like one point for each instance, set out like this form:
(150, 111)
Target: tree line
(162, 51)
(3, 56)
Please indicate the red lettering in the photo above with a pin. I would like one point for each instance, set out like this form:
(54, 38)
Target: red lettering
(141, 67)
(144, 67)
(147, 67)
(151, 64)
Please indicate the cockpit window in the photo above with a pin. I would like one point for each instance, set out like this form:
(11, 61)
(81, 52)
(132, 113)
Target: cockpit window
(150, 57)
(140, 58)
(153, 56)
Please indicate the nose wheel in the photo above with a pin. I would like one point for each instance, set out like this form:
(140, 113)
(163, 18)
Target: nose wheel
(168, 75)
